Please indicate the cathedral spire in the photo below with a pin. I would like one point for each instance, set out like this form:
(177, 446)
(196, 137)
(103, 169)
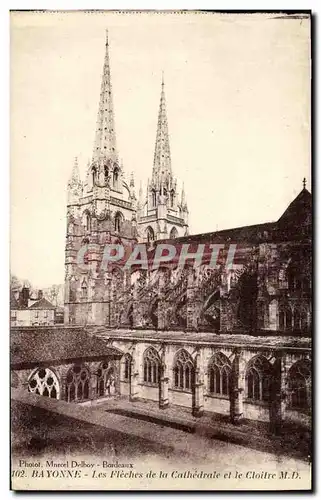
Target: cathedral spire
(105, 139)
(162, 156)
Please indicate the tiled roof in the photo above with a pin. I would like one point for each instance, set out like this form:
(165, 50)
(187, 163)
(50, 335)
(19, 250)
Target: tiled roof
(31, 346)
(43, 304)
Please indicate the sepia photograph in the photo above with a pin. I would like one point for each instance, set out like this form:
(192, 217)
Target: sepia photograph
(160, 250)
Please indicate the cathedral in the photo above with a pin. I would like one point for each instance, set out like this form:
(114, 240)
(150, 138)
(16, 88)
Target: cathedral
(232, 340)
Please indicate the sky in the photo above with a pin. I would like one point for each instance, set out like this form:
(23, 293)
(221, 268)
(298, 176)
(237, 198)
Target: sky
(238, 103)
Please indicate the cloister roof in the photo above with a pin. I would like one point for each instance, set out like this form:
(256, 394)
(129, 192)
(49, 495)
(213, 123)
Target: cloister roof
(33, 346)
(208, 338)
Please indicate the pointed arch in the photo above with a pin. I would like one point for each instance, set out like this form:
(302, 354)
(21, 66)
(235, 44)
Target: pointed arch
(184, 371)
(174, 233)
(86, 220)
(105, 380)
(106, 173)
(219, 374)
(150, 235)
(119, 218)
(258, 379)
(84, 288)
(299, 384)
(77, 383)
(172, 197)
(44, 381)
(116, 177)
(152, 364)
(153, 198)
(285, 317)
(127, 367)
(94, 174)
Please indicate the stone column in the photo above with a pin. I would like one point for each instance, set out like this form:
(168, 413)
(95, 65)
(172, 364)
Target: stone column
(278, 393)
(164, 381)
(198, 390)
(133, 396)
(236, 391)
(93, 381)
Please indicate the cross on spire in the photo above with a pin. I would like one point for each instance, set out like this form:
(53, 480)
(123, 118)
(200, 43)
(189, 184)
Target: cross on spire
(304, 182)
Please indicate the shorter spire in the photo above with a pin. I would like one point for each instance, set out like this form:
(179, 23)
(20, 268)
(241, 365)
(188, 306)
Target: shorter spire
(304, 182)
(132, 181)
(183, 196)
(75, 177)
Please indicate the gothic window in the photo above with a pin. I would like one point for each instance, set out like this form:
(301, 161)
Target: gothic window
(258, 379)
(151, 366)
(115, 178)
(94, 173)
(118, 222)
(106, 173)
(77, 384)
(127, 367)
(219, 371)
(84, 289)
(150, 234)
(173, 233)
(285, 318)
(45, 383)
(172, 198)
(300, 318)
(86, 220)
(105, 380)
(154, 198)
(299, 383)
(184, 373)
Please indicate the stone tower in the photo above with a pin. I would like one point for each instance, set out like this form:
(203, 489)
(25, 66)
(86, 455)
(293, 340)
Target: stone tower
(162, 214)
(101, 210)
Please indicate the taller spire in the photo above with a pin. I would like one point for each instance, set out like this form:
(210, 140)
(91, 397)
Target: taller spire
(105, 139)
(162, 155)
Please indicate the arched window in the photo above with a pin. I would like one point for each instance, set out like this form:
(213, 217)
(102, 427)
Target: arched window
(300, 318)
(299, 383)
(45, 383)
(151, 366)
(258, 379)
(77, 384)
(127, 367)
(84, 289)
(106, 173)
(184, 373)
(153, 198)
(285, 318)
(105, 380)
(118, 222)
(174, 233)
(150, 234)
(172, 198)
(115, 178)
(219, 371)
(94, 174)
